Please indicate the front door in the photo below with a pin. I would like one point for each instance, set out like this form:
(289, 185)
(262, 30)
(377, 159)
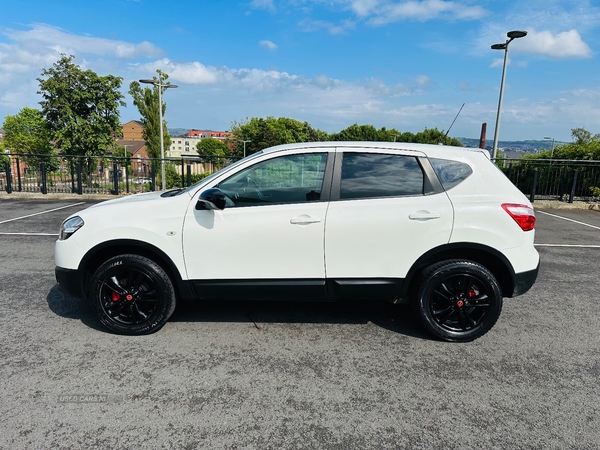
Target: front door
(268, 241)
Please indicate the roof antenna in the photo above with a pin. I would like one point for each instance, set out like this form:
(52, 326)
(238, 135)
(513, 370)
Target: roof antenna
(456, 117)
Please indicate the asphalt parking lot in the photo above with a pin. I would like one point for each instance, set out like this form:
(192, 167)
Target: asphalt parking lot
(298, 375)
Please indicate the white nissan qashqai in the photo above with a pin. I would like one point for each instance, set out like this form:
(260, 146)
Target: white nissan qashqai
(439, 225)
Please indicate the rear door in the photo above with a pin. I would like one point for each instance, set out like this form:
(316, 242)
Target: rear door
(384, 214)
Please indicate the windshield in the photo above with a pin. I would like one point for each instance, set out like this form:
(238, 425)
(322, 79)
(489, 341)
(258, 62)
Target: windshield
(217, 173)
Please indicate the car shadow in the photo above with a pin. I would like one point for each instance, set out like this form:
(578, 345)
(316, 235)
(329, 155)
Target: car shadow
(396, 318)
(64, 305)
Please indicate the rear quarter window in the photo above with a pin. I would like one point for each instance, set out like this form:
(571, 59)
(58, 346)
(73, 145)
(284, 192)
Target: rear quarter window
(450, 173)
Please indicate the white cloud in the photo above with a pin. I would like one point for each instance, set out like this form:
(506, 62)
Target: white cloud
(318, 25)
(268, 44)
(566, 44)
(364, 7)
(263, 4)
(42, 36)
(323, 82)
(387, 12)
(498, 62)
(191, 73)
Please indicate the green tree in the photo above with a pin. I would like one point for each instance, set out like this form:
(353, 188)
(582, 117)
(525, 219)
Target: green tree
(584, 146)
(4, 159)
(581, 136)
(212, 150)
(263, 133)
(357, 133)
(27, 133)
(80, 107)
(370, 133)
(146, 101)
(435, 136)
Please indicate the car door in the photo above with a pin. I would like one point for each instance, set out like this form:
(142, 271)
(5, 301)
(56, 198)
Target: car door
(384, 214)
(268, 241)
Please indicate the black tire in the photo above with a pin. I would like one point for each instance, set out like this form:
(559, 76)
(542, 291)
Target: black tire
(458, 301)
(132, 295)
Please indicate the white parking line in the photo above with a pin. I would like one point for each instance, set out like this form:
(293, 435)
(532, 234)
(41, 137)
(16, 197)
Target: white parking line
(28, 234)
(566, 218)
(43, 212)
(567, 245)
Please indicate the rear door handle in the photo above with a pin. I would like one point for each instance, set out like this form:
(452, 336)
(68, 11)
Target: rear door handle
(424, 215)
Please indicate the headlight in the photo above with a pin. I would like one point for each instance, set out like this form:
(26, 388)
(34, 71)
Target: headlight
(69, 227)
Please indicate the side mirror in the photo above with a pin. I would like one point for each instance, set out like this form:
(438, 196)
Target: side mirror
(211, 199)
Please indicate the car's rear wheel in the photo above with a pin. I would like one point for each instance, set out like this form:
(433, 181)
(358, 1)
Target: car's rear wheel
(458, 300)
(132, 295)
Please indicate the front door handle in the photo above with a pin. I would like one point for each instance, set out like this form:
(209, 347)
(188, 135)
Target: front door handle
(424, 215)
(304, 220)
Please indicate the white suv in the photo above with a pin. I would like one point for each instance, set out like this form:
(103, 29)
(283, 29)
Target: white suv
(439, 225)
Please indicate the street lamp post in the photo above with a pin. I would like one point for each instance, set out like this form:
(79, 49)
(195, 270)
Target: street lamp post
(244, 146)
(551, 151)
(160, 87)
(511, 35)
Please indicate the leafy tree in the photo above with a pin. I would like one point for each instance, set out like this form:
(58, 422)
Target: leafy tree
(434, 136)
(4, 159)
(263, 133)
(581, 136)
(27, 133)
(370, 133)
(80, 107)
(357, 133)
(146, 101)
(584, 146)
(212, 150)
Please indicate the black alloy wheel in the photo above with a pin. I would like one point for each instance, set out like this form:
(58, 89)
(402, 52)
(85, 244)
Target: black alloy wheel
(458, 301)
(132, 295)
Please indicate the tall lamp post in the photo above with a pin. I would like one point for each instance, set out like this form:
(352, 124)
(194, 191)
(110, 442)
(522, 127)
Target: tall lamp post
(511, 35)
(551, 151)
(244, 146)
(160, 86)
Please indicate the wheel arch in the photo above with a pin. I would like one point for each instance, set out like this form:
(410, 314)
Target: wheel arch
(488, 257)
(106, 250)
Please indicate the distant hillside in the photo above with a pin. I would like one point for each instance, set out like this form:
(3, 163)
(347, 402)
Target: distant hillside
(177, 131)
(515, 146)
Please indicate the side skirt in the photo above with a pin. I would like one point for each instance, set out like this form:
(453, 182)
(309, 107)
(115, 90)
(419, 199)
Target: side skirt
(297, 289)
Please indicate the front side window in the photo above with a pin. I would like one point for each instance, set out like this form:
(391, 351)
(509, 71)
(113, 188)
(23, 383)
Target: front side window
(286, 179)
(371, 175)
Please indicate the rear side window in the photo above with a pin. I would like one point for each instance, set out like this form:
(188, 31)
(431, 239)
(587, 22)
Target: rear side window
(450, 173)
(368, 175)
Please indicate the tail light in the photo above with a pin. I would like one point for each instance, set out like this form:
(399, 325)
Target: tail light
(522, 214)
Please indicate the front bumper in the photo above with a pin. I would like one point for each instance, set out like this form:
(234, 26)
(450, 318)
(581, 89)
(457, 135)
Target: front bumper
(69, 281)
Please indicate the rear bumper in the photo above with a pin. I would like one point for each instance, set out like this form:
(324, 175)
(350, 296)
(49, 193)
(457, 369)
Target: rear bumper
(68, 281)
(525, 280)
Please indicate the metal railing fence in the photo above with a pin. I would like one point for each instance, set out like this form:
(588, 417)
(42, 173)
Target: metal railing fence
(556, 179)
(101, 174)
(565, 180)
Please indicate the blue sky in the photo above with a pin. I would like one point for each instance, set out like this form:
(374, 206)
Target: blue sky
(393, 63)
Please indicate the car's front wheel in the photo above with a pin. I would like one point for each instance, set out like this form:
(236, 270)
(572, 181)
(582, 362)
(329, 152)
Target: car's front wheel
(132, 295)
(458, 300)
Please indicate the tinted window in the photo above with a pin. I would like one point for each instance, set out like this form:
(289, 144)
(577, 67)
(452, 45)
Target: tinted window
(377, 175)
(450, 172)
(287, 179)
